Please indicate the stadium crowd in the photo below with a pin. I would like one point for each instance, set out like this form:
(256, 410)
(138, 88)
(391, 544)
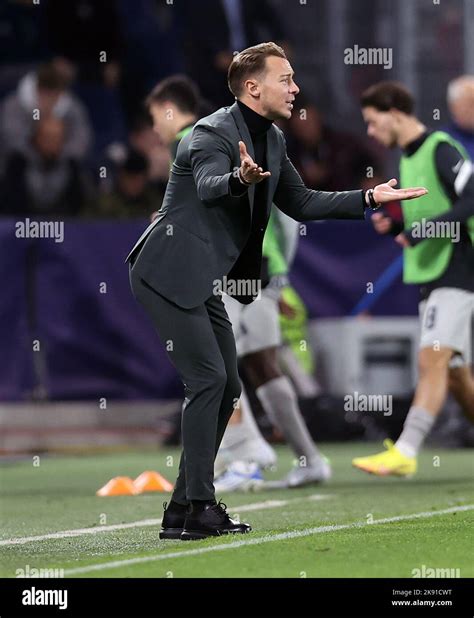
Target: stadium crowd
(75, 138)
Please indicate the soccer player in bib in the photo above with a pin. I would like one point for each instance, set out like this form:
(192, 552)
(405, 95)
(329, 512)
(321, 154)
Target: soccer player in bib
(437, 237)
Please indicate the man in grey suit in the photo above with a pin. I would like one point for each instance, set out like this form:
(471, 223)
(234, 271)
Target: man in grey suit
(207, 239)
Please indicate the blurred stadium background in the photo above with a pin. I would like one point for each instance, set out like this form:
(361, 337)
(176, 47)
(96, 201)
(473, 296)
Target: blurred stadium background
(82, 368)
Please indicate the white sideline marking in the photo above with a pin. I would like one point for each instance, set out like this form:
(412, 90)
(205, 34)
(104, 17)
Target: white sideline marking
(264, 539)
(255, 506)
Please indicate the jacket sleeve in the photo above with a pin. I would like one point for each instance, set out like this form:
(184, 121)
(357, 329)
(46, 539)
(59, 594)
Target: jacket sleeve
(212, 166)
(303, 204)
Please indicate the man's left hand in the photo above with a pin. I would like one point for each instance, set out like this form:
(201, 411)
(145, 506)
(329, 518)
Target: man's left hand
(386, 193)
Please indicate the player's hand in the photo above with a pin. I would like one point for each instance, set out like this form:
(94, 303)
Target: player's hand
(387, 193)
(249, 171)
(402, 240)
(382, 223)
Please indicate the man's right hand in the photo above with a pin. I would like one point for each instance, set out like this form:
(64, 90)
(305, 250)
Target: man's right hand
(250, 173)
(382, 223)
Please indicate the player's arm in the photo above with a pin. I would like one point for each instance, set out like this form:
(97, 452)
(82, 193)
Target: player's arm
(457, 175)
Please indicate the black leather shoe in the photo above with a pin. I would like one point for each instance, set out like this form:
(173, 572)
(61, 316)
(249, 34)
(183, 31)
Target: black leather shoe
(210, 519)
(172, 523)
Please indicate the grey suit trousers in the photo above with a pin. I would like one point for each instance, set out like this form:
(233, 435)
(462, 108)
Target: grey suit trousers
(200, 344)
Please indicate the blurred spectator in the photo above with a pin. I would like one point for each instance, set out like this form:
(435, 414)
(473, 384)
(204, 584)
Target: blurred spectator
(327, 160)
(47, 91)
(461, 106)
(215, 29)
(132, 196)
(43, 179)
(146, 141)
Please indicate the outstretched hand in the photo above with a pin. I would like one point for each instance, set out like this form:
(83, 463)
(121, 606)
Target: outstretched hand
(249, 171)
(387, 193)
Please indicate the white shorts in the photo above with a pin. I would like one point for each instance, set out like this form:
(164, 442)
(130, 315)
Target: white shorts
(446, 322)
(256, 326)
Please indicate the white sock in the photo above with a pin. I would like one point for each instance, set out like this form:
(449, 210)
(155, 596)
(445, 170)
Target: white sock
(416, 427)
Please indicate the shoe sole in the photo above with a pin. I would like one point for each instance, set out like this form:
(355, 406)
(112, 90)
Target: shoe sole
(385, 472)
(197, 535)
(171, 533)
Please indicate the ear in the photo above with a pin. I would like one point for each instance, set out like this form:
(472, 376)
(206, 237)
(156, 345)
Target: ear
(252, 87)
(397, 115)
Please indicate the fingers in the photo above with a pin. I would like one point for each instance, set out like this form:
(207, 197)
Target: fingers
(388, 195)
(393, 182)
(250, 171)
(418, 190)
(245, 159)
(254, 175)
(411, 194)
(377, 216)
(248, 164)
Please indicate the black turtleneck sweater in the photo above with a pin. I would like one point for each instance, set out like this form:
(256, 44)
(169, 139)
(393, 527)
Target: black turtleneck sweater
(258, 127)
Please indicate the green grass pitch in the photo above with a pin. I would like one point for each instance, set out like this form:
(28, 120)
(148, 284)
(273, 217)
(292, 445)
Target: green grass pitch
(334, 530)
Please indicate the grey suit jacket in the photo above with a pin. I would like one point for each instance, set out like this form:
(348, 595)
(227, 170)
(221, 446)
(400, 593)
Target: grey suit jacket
(201, 232)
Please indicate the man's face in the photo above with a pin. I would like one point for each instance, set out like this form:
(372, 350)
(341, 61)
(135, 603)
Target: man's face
(276, 89)
(382, 126)
(164, 121)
